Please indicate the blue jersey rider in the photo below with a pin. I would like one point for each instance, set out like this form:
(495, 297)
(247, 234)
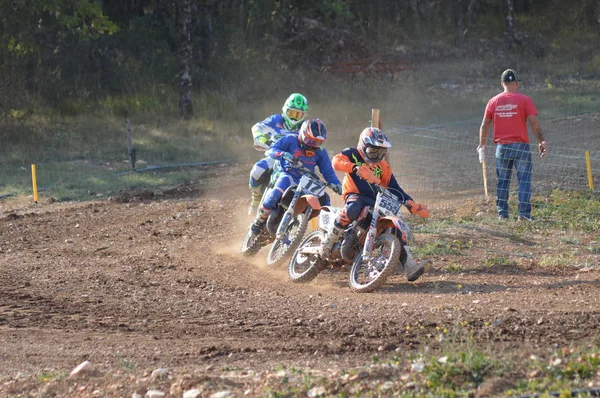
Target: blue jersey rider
(269, 131)
(292, 152)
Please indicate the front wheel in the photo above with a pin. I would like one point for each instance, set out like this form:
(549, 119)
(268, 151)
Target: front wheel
(367, 276)
(251, 244)
(306, 263)
(282, 248)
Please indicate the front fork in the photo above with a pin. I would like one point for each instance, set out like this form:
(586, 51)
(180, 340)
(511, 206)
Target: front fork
(287, 216)
(370, 238)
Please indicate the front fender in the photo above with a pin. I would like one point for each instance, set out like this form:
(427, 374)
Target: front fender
(391, 222)
(308, 200)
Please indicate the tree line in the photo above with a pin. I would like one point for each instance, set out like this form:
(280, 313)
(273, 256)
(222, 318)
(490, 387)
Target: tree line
(72, 51)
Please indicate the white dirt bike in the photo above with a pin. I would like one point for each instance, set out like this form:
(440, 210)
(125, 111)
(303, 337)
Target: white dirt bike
(288, 222)
(376, 244)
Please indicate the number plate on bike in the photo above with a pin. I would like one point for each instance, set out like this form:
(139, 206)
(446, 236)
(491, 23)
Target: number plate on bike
(389, 203)
(311, 185)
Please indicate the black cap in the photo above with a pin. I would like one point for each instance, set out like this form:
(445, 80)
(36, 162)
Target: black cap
(509, 76)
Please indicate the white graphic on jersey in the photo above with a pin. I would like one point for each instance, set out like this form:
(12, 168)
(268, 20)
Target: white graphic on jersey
(506, 110)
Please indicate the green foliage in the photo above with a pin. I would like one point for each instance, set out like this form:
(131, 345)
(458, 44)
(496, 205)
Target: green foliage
(87, 155)
(498, 261)
(465, 370)
(68, 52)
(228, 368)
(25, 22)
(454, 268)
(579, 211)
(438, 247)
(126, 363)
(561, 259)
(50, 376)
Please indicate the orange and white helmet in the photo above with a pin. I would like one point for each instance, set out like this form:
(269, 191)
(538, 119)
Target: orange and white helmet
(312, 135)
(373, 144)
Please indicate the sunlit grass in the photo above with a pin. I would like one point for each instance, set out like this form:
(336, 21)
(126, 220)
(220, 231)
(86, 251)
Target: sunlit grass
(437, 248)
(45, 377)
(457, 367)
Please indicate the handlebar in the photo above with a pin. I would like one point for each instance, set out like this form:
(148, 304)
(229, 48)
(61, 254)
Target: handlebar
(315, 175)
(379, 188)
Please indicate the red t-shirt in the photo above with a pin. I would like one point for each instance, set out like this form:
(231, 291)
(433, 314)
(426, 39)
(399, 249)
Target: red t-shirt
(509, 112)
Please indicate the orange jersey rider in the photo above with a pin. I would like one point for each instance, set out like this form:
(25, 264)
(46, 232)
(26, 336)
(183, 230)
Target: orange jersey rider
(365, 166)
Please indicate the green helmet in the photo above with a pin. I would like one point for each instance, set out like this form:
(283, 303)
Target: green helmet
(295, 111)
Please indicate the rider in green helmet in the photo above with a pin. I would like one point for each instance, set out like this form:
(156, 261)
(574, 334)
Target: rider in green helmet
(269, 131)
(294, 110)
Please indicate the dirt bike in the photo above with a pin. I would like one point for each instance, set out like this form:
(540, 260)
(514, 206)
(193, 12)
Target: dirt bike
(306, 262)
(380, 231)
(252, 244)
(288, 222)
(304, 205)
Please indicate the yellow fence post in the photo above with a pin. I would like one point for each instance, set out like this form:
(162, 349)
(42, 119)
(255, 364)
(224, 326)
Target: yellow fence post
(34, 182)
(589, 170)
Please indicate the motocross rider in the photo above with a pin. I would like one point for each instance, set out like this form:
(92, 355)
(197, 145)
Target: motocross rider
(304, 150)
(365, 165)
(267, 132)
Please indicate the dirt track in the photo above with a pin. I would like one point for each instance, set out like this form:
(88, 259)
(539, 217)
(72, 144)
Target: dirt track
(150, 281)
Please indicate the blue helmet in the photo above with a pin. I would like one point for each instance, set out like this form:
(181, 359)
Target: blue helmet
(312, 135)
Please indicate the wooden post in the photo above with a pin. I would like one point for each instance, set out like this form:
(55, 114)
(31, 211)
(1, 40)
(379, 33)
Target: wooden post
(34, 183)
(130, 148)
(376, 122)
(485, 188)
(588, 164)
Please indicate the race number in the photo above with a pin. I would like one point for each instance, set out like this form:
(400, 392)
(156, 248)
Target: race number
(389, 204)
(311, 185)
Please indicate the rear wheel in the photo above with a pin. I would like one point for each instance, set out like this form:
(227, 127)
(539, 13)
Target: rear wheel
(305, 266)
(367, 276)
(282, 248)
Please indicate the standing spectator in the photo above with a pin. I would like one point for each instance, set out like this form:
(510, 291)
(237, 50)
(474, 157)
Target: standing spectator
(510, 111)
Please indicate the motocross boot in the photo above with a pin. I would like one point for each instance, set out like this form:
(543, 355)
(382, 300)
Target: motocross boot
(260, 221)
(256, 195)
(332, 236)
(412, 269)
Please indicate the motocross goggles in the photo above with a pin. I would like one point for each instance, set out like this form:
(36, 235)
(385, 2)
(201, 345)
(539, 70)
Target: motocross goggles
(310, 146)
(376, 152)
(312, 143)
(295, 114)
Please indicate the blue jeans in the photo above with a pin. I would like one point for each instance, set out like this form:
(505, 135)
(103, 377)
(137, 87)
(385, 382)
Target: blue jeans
(518, 155)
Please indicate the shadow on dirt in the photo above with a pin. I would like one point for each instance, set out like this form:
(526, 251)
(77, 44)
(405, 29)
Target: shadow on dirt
(499, 234)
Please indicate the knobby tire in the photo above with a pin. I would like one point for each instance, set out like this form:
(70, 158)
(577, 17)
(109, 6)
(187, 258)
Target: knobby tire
(388, 270)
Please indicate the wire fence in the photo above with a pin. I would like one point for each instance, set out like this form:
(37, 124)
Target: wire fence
(440, 164)
(71, 167)
(436, 164)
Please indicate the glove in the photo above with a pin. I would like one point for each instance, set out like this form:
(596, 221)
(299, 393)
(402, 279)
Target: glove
(296, 163)
(366, 174)
(419, 210)
(542, 148)
(262, 142)
(263, 139)
(481, 151)
(337, 188)
(288, 157)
